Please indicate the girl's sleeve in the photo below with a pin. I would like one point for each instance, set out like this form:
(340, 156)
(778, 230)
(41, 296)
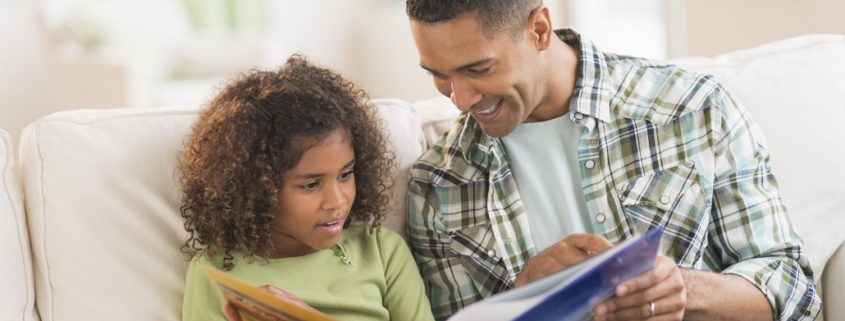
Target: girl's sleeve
(202, 300)
(405, 296)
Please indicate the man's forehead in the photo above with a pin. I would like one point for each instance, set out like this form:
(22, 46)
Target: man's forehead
(446, 46)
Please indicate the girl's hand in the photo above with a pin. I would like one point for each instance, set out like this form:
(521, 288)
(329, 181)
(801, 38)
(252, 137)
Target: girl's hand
(231, 312)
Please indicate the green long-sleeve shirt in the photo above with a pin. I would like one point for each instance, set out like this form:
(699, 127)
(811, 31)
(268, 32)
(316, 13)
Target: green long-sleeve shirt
(381, 281)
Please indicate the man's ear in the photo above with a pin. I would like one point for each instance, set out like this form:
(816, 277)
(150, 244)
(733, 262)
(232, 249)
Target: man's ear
(540, 27)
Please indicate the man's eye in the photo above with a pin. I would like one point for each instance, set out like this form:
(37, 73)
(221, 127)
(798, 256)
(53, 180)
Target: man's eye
(478, 72)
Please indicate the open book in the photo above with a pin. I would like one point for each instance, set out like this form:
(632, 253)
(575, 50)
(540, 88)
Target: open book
(256, 304)
(570, 294)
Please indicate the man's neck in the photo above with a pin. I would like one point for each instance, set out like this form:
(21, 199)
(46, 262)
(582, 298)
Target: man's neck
(560, 77)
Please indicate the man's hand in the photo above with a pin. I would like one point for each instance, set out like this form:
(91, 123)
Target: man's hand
(658, 294)
(573, 249)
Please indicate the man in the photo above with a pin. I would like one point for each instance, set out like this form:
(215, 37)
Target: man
(562, 150)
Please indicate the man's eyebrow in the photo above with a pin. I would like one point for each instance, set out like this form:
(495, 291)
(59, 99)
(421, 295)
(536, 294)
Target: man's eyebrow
(432, 71)
(462, 67)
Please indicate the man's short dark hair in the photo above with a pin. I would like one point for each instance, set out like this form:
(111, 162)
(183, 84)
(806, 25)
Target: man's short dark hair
(498, 15)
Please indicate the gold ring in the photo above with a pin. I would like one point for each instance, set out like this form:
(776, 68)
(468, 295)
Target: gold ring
(651, 307)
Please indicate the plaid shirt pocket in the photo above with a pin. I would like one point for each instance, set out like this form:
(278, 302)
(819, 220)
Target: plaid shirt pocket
(484, 265)
(673, 198)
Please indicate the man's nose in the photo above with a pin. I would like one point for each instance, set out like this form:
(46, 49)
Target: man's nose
(464, 96)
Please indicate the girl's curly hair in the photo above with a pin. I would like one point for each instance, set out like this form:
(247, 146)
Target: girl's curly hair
(251, 133)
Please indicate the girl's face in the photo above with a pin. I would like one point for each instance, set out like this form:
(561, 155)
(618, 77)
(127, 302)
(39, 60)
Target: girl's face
(316, 197)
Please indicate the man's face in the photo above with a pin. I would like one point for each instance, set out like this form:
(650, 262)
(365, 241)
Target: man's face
(495, 76)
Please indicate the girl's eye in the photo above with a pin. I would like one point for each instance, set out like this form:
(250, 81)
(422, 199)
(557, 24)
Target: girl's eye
(312, 186)
(345, 176)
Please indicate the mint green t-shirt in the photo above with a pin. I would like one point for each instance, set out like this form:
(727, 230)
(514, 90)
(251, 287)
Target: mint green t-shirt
(544, 159)
(377, 280)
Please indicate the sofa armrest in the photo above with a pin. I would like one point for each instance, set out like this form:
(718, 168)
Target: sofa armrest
(17, 294)
(833, 286)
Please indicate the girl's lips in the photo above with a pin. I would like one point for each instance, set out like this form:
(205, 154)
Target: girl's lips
(331, 229)
(333, 226)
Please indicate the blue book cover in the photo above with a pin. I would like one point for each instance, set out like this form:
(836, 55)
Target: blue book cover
(570, 295)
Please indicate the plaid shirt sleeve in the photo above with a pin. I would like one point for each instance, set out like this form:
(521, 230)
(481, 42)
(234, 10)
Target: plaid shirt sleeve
(446, 279)
(750, 234)
(460, 220)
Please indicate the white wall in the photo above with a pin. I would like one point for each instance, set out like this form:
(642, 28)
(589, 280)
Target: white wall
(24, 71)
(719, 26)
(630, 27)
(369, 41)
(35, 81)
(389, 65)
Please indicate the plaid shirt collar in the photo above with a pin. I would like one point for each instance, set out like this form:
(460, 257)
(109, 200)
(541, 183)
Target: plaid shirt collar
(591, 96)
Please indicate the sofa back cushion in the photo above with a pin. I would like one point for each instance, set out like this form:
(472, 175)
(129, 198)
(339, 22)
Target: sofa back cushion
(407, 142)
(17, 296)
(103, 207)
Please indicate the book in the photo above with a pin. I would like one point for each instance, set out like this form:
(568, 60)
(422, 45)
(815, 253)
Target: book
(571, 294)
(256, 304)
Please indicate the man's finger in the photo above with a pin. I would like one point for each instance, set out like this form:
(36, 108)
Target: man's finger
(663, 308)
(639, 298)
(589, 242)
(663, 267)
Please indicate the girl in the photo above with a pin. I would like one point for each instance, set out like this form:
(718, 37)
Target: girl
(275, 169)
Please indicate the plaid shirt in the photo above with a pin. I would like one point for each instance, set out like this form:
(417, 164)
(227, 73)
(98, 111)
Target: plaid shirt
(659, 146)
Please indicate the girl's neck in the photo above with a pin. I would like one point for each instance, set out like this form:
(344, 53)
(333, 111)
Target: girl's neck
(285, 247)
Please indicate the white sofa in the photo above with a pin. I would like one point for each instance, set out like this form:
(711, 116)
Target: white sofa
(89, 221)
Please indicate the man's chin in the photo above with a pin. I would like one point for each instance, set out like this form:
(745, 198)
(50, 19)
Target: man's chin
(495, 131)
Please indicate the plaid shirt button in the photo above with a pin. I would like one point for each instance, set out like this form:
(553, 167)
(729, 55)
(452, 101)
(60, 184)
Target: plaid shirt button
(600, 217)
